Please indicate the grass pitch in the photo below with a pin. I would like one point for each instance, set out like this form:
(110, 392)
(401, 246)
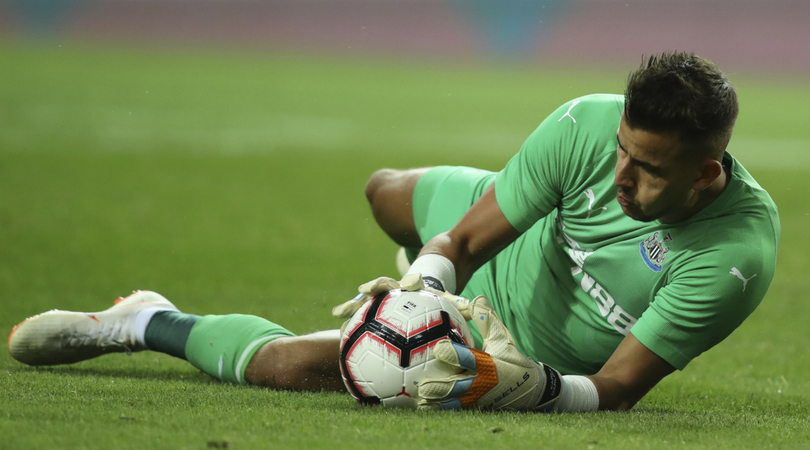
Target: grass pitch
(234, 183)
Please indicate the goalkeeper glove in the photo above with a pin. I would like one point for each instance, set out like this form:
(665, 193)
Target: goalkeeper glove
(499, 377)
(410, 282)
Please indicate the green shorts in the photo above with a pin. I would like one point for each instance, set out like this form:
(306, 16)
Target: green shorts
(441, 196)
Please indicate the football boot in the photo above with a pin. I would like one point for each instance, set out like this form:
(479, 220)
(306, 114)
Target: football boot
(65, 337)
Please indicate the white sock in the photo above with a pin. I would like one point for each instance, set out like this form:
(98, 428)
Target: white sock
(142, 321)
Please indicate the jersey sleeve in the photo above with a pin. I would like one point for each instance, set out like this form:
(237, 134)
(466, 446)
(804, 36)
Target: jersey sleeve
(707, 299)
(555, 157)
(532, 183)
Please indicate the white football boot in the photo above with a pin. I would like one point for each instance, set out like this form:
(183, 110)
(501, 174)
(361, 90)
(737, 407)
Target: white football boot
(65, 337)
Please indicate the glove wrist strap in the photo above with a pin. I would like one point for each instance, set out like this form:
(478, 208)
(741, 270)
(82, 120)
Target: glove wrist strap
(551, 391)
(437, 272)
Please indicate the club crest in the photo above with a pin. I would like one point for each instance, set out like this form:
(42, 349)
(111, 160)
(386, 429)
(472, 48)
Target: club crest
(653, 251)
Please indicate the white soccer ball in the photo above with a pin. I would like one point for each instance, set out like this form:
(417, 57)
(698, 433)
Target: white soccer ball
(385, 348)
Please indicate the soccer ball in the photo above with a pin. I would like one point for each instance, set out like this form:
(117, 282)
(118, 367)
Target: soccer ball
(385, 348)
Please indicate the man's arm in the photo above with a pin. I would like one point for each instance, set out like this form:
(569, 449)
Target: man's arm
(628, 375)
(481, 233)
(448, 260)
(499, 377)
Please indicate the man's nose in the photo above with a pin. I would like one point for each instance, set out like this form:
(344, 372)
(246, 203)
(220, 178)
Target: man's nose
(624, 174)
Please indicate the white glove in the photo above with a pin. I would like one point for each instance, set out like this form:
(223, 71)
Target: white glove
(373, 288)
(499, 377)
(410, 282)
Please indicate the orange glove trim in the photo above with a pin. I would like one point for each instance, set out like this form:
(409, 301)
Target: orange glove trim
(486, 378)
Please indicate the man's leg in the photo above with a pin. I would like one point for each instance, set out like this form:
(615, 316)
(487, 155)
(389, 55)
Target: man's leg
(390, 195)
(236, 348)
(248, 349)
(307, 362)
(411, 206)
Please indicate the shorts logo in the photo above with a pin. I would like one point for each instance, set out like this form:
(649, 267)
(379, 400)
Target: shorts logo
(653, 251)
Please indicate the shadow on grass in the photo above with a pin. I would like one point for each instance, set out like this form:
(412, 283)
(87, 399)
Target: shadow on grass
(119, 373)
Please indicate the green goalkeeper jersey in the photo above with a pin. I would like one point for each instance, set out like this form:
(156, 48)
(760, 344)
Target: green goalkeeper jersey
(583, 275)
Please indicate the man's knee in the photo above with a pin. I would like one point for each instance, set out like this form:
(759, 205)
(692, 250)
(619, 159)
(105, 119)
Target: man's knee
(379, 181)
(390, 195)
(390, 183)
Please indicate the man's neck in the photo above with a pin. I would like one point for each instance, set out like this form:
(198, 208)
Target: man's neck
(702, 199)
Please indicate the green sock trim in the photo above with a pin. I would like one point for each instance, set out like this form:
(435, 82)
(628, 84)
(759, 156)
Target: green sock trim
(222, 346)
(168, 332)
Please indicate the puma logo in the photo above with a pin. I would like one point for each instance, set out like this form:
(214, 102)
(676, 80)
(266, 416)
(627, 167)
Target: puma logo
(736, 272)
(591, 199)
(568, 114)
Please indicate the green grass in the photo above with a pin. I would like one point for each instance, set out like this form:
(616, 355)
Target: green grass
(234, 183)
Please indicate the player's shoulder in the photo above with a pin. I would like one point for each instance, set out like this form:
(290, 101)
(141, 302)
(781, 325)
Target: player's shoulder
(745, 208)
(739, 229)
(606, 104)
(595, 100)
(592, 115)
(757, 197)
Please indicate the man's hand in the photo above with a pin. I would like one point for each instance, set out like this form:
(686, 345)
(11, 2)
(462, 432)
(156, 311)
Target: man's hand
(373, 288)
(499, 377)
(410, 282)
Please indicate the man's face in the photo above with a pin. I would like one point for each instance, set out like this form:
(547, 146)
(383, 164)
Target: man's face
(653, 180)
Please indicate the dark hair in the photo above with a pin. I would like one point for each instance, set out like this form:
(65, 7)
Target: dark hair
(683, 93)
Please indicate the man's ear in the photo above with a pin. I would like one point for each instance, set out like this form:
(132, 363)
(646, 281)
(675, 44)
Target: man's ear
(710, 169)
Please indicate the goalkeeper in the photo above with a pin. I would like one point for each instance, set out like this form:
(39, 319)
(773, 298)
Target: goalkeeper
(619, 243)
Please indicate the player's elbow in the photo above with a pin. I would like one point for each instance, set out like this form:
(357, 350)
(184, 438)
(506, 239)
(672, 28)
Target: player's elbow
(615, 395)
(617, 403)
(622, 405)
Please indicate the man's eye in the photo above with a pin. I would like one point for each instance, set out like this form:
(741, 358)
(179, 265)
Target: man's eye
(652, 173)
